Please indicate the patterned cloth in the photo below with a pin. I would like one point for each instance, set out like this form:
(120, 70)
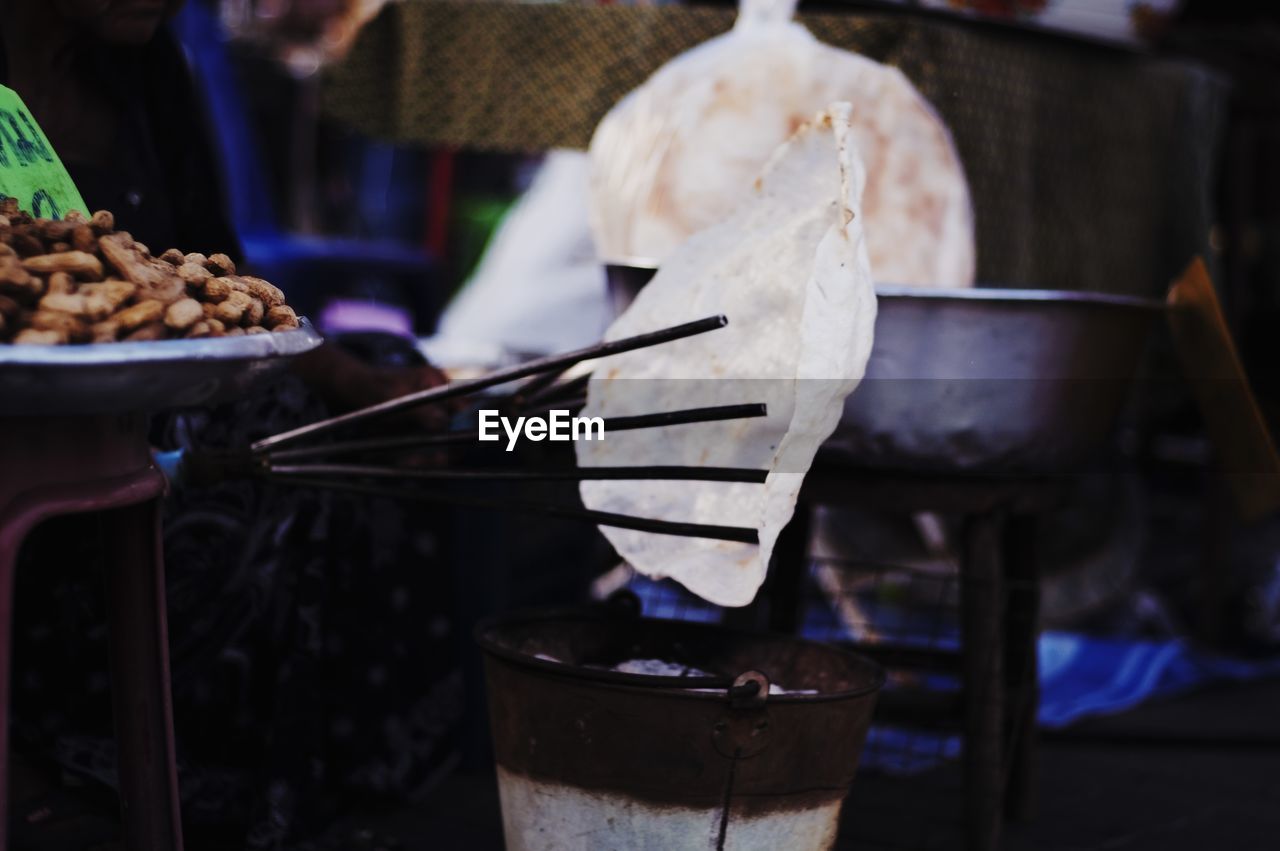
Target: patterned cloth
(1090, 168)
(313, 650)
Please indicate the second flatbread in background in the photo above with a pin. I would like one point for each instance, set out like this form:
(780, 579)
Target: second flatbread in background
(789, 269)
(679, 153)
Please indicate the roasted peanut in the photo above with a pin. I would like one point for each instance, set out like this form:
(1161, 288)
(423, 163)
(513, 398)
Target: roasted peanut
(79, 279)
(281, 314)
(220, 264)
(150, 331)
(82, 264)
(26, 244)
(116, 292)
(232, 310)
(217, 289)
(17, 282)
(60, 282)
(54, 230)
(166, 289)
(183, 314)
(194, 274)
(97, 307)
(105, 298)
(83, 239)
(64, 302)
(72, 327)
(103, 222)
(118, 250)
(269, 295)
(35, 337)
(105, 332)
(142, 313)
(253, 313)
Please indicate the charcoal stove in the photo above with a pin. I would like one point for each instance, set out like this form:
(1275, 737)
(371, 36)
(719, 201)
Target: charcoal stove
(590, 756)
(975, 404)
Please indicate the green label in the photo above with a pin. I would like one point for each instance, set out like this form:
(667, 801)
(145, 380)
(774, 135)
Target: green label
(29, 169)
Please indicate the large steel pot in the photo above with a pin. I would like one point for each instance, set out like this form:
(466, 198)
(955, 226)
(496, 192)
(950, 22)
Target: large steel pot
(589, 758)
(981, 380)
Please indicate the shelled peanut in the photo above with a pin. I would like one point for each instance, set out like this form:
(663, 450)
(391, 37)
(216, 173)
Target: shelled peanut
(78, 280)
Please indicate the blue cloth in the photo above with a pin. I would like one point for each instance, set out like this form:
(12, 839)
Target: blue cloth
(170, 464)
(1081, 676)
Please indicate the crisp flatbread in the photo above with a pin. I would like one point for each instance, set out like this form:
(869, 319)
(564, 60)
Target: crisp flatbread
(679, 153)
(789, 269)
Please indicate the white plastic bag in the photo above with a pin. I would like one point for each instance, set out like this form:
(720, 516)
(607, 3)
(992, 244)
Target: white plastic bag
(679, 153)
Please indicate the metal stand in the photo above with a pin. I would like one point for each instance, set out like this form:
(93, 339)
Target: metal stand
(73, 464)
(999, 609)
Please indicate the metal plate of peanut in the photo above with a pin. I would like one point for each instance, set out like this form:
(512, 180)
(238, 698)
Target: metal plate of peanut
(90, 321)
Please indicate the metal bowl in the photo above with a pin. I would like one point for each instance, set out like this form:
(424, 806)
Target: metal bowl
(981, 380)
(141, 377)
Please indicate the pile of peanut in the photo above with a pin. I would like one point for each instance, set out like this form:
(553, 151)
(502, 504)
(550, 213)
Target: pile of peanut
(78, 280)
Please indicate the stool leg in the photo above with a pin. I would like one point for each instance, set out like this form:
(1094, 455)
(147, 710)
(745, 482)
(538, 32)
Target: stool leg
(140, 679)
(9, 544)
(1021, 665)
(982, 627)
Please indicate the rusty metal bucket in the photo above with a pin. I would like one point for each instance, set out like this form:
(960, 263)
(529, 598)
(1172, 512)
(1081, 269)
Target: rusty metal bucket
(589, 757)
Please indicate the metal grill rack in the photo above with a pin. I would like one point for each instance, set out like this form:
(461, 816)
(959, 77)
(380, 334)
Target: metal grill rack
(952, 750)
(910, 792)
(994, 617)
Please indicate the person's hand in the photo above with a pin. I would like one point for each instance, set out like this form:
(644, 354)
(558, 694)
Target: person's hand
(371, 385)
(346, 383)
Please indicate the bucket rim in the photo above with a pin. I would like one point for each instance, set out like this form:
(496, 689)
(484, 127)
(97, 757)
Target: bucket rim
(646, 683)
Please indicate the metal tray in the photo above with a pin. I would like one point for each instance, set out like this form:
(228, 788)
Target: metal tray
(144, 376)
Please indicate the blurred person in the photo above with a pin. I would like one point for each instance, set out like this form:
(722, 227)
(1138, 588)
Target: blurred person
(309, 665)
(539, 287)
(304, 33)
(118, 105)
